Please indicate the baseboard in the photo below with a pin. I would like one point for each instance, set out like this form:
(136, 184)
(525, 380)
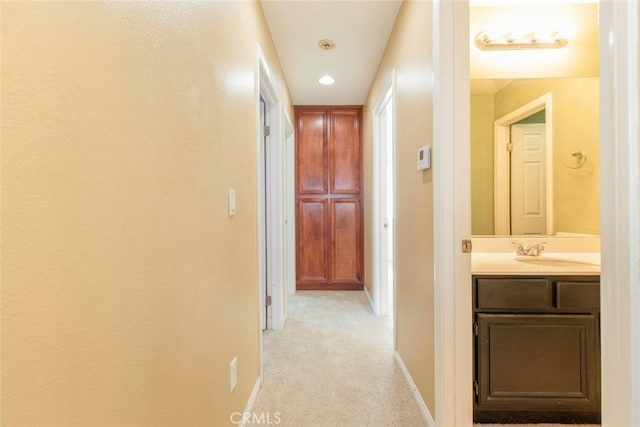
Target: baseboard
(366, 292)
(414, 390)
(252, 399)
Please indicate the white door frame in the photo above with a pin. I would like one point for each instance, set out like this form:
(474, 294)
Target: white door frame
(387, 94)
(620, 213)
(452, 214)
(263, 209)
(290, 206)
(502, 161)
(271, 179)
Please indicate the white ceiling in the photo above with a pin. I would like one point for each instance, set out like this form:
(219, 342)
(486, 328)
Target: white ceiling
(360, 29)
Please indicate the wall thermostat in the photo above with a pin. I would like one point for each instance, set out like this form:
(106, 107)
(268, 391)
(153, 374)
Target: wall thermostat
(424, 158)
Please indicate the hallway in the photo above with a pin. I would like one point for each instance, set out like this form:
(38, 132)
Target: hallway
(134, 202)
(332, 364)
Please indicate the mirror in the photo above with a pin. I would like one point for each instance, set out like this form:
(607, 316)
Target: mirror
(549, 180)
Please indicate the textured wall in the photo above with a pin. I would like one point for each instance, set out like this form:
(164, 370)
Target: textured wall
(409, 53)
(126, 288)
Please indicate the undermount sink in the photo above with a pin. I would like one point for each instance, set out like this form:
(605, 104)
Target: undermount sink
(553, 261)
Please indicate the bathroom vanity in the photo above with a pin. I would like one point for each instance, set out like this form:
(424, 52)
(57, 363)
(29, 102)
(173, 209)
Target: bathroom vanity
(536, 339)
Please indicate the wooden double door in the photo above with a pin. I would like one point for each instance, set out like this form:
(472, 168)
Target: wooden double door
(329, 246)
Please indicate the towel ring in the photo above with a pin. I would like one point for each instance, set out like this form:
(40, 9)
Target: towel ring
(581, 159)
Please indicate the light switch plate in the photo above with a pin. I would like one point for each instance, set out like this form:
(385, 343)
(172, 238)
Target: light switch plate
(232, 202)
(424, 158)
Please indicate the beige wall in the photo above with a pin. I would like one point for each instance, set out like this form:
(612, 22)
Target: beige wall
(482, 119)
(575, 128)
(409, 53)
(126, 287)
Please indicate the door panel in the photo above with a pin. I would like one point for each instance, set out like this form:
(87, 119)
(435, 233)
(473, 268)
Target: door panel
(345, 152)
(345, 254)
(312, 256)
(312, 171)
(528, 179)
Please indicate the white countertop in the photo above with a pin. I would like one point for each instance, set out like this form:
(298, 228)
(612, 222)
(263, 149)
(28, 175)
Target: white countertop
(561, 263)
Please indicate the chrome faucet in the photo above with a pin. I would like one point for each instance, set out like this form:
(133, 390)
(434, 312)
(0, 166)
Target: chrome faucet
(525, 250)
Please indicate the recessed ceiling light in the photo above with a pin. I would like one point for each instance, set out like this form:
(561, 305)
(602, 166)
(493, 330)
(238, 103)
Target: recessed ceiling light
(326, 44)
(327, 80)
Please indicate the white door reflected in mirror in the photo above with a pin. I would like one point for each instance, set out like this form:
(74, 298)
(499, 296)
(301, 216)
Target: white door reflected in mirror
(528, 179)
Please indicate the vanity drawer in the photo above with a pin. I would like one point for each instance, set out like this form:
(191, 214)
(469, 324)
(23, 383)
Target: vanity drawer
(584, 296)
(514, 294)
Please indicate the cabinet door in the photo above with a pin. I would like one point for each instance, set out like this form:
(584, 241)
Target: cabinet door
(312, 150)
(312, 244)
(329, 240)
(345, 250)
(345, 151)
(538, 362)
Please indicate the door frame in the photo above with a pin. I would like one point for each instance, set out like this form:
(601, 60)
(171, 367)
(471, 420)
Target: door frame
(502, 162)
(619, 206)
(263, 210)
(271, 179)
(290, 206)
(452, 214)
(620, 213)
(387, 94)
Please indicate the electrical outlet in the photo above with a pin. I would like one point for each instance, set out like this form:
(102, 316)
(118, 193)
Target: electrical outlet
(233, 373)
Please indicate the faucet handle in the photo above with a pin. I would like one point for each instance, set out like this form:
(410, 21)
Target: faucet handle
(520, 250)
(537, 249)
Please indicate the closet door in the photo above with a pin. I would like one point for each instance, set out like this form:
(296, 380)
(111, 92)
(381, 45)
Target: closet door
(328, 198)
(312, 216)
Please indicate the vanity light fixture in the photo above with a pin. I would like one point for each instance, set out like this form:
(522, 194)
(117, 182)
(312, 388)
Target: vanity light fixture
(326, 80)
(508, 41)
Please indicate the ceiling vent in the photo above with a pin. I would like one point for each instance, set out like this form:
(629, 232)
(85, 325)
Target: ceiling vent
(326, 44)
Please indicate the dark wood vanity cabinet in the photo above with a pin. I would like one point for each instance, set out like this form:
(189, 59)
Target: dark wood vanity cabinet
(537, 349)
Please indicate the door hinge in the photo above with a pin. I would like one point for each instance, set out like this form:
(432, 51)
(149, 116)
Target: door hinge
(475, 328)
(268, 300)
(476, 388)
(267, 131)
(466, 246)
(509, 147)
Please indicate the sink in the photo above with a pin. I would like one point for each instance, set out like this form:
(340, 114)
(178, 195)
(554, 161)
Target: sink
(554, 261)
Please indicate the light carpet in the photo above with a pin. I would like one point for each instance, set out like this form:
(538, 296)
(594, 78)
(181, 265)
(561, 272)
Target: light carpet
(332, 365)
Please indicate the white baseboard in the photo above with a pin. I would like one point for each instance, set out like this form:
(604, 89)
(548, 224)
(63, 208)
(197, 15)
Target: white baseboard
(252, 398)
(414, 390)
(366, 292)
